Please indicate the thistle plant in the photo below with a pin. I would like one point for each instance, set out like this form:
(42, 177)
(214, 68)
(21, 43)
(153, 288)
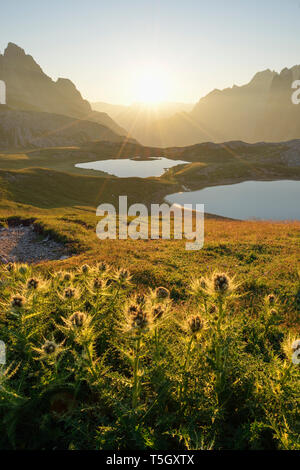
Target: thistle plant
(194, 327)
(113, 367)
(216, 290)
(85, 268)
(49, 350)
(33, 283)
(18, 301)
(137, 324)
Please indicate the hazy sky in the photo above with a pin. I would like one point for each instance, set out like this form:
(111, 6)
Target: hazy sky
(113, 49)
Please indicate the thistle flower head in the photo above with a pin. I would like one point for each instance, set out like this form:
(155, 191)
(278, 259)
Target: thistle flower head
(99, 283)
(69, 293)
(123, 276)
(271, 299)
(103, 267)
(49, 348)
(133, 309)
(221, 283)
(85, 268)
(140, 320)
(77, 319)
(195, 324)
(18, 301)
(162, 293)
(33, 283)
(136, 317)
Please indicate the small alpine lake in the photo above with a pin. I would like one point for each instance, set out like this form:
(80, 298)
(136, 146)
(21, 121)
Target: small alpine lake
(132, 167)
(262, 200)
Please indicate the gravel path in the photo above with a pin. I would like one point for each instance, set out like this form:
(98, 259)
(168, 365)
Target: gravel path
(22, 244)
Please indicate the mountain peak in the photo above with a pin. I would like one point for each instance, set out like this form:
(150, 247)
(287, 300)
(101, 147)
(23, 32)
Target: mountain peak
(264, 75)
(13, 50)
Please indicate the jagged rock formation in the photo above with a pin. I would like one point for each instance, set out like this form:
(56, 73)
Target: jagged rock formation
(29, 88)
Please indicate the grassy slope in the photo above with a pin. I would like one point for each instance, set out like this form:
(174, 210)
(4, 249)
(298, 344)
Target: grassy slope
(266, 254)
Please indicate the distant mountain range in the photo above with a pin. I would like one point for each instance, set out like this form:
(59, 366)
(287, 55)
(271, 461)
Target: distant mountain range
(30, 90)
(261, 110)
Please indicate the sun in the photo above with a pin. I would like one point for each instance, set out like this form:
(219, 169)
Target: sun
(151, 86)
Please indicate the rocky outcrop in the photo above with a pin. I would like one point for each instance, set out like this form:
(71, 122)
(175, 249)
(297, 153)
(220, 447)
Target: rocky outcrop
(29, 88)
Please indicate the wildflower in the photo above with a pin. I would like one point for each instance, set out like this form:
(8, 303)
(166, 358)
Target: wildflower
(85, 268)
(69, 292)
(18, 301)
(162, 293)
(123, 276)
(195, 324)
(271, 299)
(33, 283)
(132, 309)
(49, 347)
(296, 345)
(103, 267)
(140, 320)
(221, 283)
(98, 283)
(78, 318)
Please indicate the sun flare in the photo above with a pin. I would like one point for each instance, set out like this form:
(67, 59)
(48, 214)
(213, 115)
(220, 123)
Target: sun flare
(152, 86)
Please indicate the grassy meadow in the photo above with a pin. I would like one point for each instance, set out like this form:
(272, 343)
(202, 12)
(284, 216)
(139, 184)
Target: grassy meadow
(142, 344)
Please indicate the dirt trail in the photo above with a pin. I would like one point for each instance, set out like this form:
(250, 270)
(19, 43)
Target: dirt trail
(22, 244)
